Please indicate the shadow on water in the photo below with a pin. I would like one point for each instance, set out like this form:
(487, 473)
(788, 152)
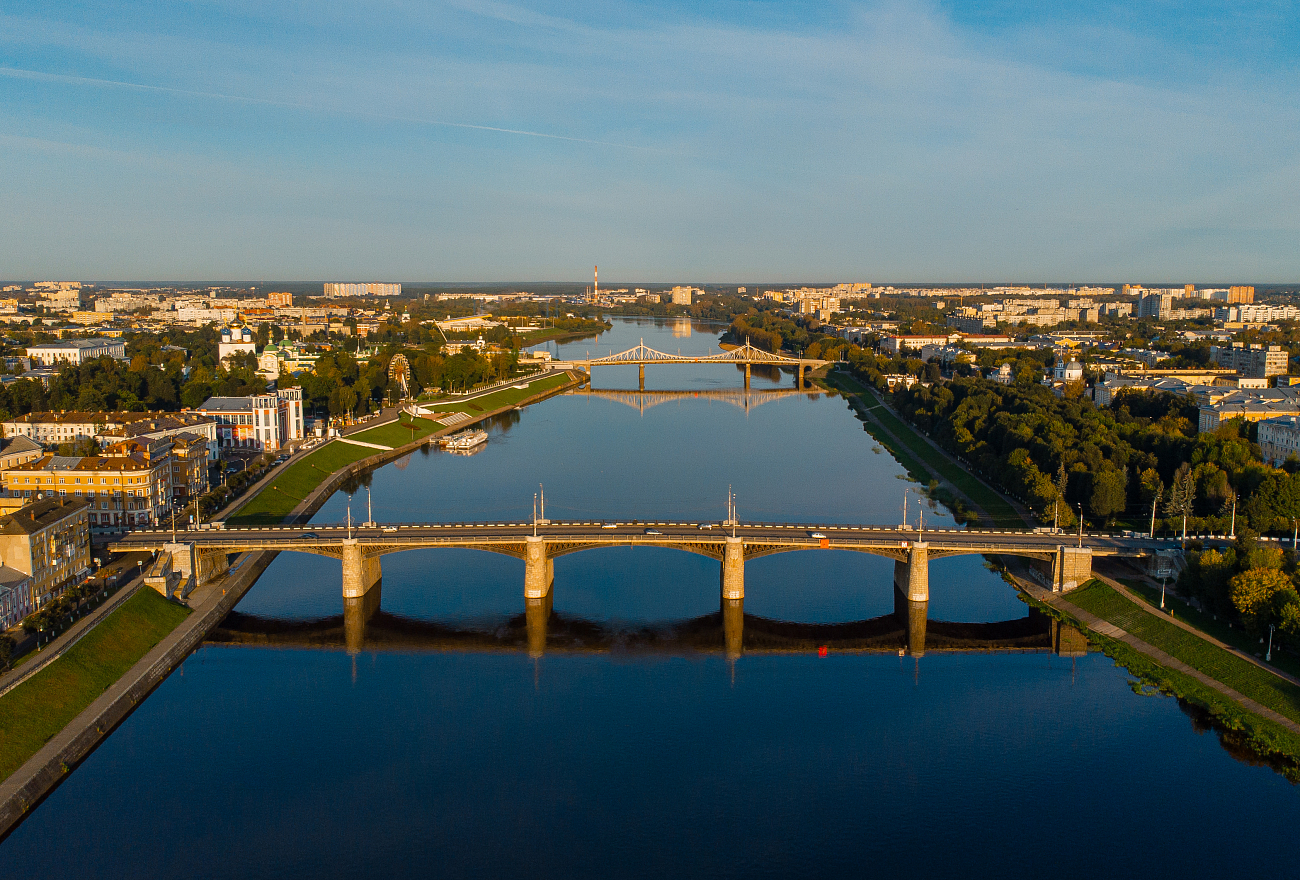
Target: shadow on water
(372, 629)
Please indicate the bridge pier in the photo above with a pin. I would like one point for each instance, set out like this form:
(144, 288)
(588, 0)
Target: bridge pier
(1071, 567)
(640, 377)
(360, 572)
(733, 569)
(539, 570)
(357, 612)
(801, 386)
(733, 626)
(537, 613)
(747, 370)
(912, 595)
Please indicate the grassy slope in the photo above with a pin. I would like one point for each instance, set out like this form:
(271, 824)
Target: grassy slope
(1003, 514)
(296, 482)
(394, 434)
(1207, 623)
(43, 705)
(508, 396)
(1246, 678)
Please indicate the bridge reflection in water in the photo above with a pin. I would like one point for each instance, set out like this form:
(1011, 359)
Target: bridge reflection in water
(364, 626)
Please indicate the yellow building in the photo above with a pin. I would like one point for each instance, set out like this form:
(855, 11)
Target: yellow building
(49, 540)
(124, 490)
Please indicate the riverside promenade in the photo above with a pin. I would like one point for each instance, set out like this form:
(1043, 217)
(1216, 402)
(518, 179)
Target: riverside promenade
(28, 785)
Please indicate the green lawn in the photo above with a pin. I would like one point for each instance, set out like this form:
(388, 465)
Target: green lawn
(40, 707)
(1218, 628)
(917, 448)
(273, 503)
(396, 434)
(1246, 678)
(508, 396)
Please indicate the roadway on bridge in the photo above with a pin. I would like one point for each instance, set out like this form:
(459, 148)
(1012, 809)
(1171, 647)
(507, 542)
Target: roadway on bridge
(624, 532)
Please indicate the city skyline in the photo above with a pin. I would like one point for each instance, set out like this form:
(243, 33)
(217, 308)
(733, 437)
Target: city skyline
(486, 142)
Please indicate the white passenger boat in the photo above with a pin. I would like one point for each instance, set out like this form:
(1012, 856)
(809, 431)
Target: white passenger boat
(465, 440)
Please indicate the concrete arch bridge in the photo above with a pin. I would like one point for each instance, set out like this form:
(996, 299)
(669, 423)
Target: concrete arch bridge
(201, 554)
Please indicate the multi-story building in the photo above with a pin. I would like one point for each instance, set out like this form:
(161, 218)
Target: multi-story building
(1251, 405)
(368, 289)
(76, 351)
(48, 541)
(53, 428)
(189, 466)
(1252, 360)
(18, 450)
(15, 597)
(1241, 294)
(262, 421)
(279, 300)
(1279, 439)
(681, 296)
(127, 487)
(1256, 314)
(896, 345)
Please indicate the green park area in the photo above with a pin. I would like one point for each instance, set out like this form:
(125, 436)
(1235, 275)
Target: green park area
(32, 713)
(293, 484)
(1223, 666)
(920, 458)
(508, 396)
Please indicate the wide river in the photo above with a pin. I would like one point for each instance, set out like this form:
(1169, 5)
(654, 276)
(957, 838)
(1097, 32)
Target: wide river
(299, 761)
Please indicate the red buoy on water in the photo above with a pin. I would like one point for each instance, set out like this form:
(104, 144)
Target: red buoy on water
(821, 652)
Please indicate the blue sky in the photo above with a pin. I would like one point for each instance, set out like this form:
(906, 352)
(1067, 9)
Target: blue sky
(485, 140)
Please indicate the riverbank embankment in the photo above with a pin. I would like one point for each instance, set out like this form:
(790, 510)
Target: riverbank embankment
(210, 604)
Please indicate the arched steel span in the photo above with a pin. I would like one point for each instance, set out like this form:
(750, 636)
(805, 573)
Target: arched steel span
(742, 354)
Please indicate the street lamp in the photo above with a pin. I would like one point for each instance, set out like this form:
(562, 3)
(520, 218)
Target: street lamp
(1268, 657)
(1162, 591)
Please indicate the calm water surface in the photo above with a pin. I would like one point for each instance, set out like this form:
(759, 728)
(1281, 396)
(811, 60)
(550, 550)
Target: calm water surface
(274, 762)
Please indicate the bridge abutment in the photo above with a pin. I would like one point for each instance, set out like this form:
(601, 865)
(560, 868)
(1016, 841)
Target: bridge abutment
(733, 569)
(360, 572)
(1071, 568)
(539, 569)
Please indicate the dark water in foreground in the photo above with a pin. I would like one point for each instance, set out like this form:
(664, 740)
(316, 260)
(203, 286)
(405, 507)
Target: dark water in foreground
(275, 762)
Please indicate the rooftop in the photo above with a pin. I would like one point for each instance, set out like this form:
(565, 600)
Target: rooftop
(40, 514)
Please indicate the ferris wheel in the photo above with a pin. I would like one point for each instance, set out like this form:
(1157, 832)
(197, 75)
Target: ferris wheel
(399, 372)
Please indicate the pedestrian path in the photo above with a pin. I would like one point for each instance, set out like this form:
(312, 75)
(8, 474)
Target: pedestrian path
(363, 443)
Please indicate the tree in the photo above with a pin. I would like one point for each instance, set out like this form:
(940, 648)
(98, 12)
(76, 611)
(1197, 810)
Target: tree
(7, 646)
(1108, 495)
(1259, 596)
(1182, 494)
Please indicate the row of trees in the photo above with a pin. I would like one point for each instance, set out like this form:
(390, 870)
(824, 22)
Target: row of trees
(1252, 584)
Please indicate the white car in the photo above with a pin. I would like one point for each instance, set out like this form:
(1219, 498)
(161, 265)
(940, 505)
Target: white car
(818, 535)
(609, 525)
(706, 526)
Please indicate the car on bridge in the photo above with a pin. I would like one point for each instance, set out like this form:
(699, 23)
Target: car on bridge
(653, 532)
(818, 535)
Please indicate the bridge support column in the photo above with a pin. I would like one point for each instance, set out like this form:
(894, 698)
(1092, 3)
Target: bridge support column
(801, 377)
(356, 614)
(733, 569)
(360, 572)
(747, 370)
(640, 377)
(537, 613)
(912, 595)
(1071, 568)
(733, 626)
(539, 571)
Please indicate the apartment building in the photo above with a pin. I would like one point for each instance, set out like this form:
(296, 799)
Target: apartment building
(1251, 405)
(49, 542)
(189, 466)
(1256, 314)
(372, 288)
(18, 450)
(1252, 360)
(53, 428)
(76, 351)
(15, 597)
(128, 487)
(1279, 439)
(264, 421)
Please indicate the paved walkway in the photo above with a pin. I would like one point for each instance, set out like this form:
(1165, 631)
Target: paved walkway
(56, 648)
(1105, 628)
